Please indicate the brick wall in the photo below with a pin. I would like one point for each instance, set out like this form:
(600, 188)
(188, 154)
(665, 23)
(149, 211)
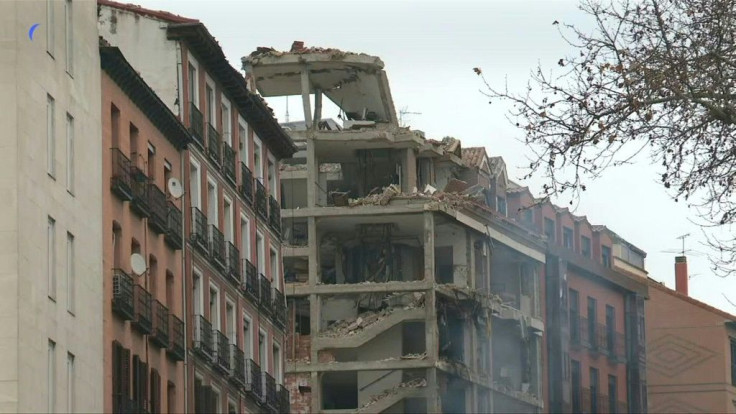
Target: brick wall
(301, 399)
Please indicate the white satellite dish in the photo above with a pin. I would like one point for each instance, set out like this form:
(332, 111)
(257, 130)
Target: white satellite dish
(175, 188)
(138, 264)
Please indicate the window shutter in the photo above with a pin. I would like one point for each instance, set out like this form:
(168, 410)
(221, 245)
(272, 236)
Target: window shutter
(125, 372)
(155, 392)
(136, 382)
(198, 396)
(143, 375)
(116, 385)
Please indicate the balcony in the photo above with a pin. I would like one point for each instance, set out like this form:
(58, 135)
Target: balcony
(203, 342)
(196, 125)
(268, 396)
(237, 365)
(228, 162)
(233, 263)
(198, 237)
(160, 335)
(143, 320)
(213, 144)
(282, 395)
(279, 308)
(139, 186)
(261, 202)
(176, 349)
(217, 247)
(120, 178)
(615, 345)
(253, 379)
(159, 209)
(265, 287)
(249, 286)
(122, 295)
(246, 183)
(274, 219)
(173, 226)
(222, 352)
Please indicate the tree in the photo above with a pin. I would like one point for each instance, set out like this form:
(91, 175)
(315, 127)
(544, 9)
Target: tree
(653, 77)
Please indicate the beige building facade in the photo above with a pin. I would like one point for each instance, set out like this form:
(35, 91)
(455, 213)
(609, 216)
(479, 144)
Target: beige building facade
(51, 216)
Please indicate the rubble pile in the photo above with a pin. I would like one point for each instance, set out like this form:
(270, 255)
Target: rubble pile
(364, 320)
(454, 195)
(415, 383)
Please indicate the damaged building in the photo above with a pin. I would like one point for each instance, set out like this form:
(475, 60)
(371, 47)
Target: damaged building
(407, 290)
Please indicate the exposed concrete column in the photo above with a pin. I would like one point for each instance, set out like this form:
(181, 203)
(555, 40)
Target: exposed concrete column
(315, 317)
(430, 306)
(472, 271)
(433, 392)
(316, 385)
(306, 88)
(409, 171)
(428, 246)
(312, 172)
(313, 250)
(317, 107)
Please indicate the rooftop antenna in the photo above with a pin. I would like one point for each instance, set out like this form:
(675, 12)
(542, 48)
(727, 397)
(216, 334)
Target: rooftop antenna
(684, 251)
(405, 111)
(683, 237)
(287, 108)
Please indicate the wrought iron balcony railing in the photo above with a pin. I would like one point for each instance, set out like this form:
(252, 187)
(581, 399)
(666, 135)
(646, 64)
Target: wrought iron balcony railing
(213, 144)
(139, 184)
(120, 179)
(173, 226)
(249, 286)
(203, 341)
(246, 182)
(222, 351)
(198, 236)
(274, 217)
(176, 349)
(261, 202)
(160, 324)
(284, 405)
(253, 379)
(237, 365)
(122, 295)
(265, 297)
(196, 125)
(159, 209)
(143, 320)
(217, 247)
(123, 404)
(268, 396)
(228, 162)
(233, 263)
(279, 308)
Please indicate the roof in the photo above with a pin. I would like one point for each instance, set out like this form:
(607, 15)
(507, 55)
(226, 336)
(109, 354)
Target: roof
(252, 106)
(474, 156)
(660, 286)
(157, 14)
(125, 76)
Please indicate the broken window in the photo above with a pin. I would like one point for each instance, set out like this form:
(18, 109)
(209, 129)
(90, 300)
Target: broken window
(443, 264)
(340, 390)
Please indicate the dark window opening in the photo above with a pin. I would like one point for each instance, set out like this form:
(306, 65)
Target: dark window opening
(576, 397)
(443, 264)
(594, 391)
(585, 246)
(606, 256)
(549, 229)
(567, 237)
(574, 317)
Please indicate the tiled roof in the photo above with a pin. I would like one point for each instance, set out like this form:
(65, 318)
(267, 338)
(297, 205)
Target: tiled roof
(474, 156)
(158, 14)
(660, 286)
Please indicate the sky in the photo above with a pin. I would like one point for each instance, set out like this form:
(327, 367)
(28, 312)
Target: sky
(429, 49)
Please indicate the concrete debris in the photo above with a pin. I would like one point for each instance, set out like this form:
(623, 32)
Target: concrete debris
(415, 383)
(414, 356)
(455, 186)
(298, 48)
(366, 319)
(521, 395)
(473, 197)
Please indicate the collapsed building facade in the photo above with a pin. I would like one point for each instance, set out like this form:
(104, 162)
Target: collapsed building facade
(406, 292)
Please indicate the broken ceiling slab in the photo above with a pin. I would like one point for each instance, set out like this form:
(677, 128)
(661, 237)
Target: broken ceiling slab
(355, 82)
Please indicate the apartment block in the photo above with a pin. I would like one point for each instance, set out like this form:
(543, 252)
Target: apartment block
(233, 301)
(691, 350)
(596, 284)
(406, 292)
(143, 144)
(50, 215)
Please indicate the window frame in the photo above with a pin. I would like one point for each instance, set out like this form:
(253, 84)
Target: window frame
(70, 273)
(69, 36)
(51, 136)
(51, 257)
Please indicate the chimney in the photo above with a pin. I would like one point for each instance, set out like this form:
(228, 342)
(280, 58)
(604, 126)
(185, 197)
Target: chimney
(681, 274)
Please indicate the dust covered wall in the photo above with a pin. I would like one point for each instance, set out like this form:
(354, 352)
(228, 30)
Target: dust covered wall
(455, 236)
(300, 394)
(386, 345)
(336, 309)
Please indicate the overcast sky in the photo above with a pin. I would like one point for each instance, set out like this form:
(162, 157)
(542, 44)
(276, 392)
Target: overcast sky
(429, 49)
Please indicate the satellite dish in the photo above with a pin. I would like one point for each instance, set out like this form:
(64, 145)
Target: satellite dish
(175, 188)
(138, 264)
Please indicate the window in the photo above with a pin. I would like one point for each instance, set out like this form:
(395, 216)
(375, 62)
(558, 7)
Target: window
(501, 205)
(151, 162)
(69, 36)
(230, 321)
(567, 237)
(216, 400)
(134, 154)
(228, 220)
(549, 229)
(245, 238)
(51, 377)
(610, 330)
(275, 268)
(195, 183)
(226, 123)
(115, 126)
(272, 177)
(575, 383)
(215, 307)
(261, 252)
(70, 383)
(277, 363)
(193, 86)
(171, 398)
(606, 256)
(574, 316)
(612, 394)
(197, 288)
(232, 408)
(50, 27)
(733, 361)
(243, 138)
(210, 96)
(592, 317)
(212, 203)
(50, 136)
(585, 246)
(594, 390)
(70, 153)
(51, 257)
(529, 215)
(70, 276)
(247, 338)
(262, 351)
(257, 159)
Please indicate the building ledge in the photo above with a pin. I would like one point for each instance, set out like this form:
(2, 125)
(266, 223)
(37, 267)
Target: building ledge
(384, 365)
(303, 289)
